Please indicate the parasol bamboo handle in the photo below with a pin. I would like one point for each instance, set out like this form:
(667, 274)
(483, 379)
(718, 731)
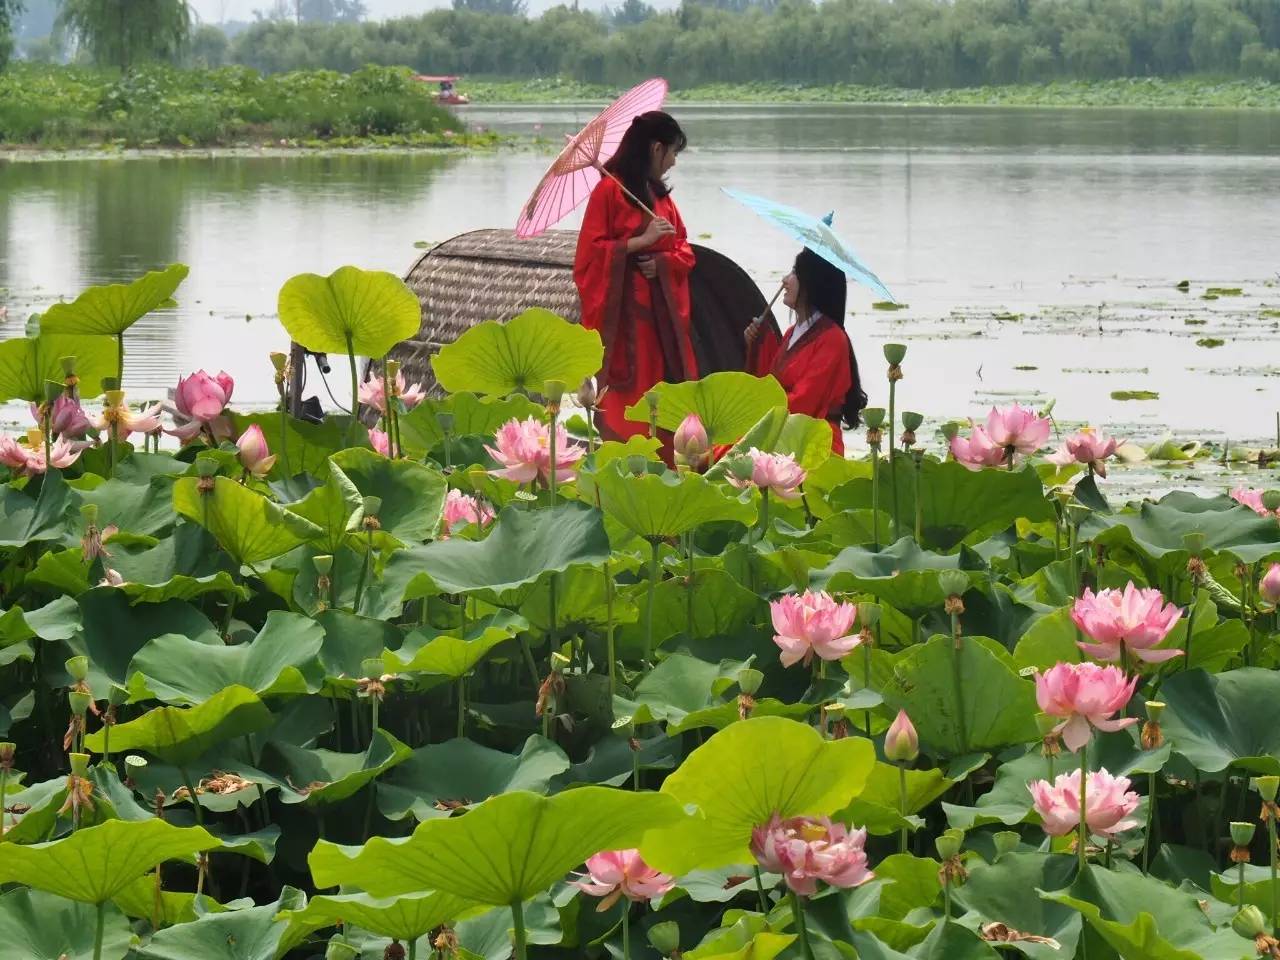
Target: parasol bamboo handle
(631, 196)
(758, 321)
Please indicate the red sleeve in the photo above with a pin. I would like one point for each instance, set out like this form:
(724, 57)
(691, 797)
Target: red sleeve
(679, 253)
(764, 352)
(596, 261)
(824, 378)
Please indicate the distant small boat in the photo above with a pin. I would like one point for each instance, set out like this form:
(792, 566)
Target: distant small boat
(447, 95)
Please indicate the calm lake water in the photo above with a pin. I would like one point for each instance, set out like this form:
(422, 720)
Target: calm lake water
(1038, 250)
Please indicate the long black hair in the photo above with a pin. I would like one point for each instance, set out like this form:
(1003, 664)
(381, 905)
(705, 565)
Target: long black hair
(631, 162)
(822, 288)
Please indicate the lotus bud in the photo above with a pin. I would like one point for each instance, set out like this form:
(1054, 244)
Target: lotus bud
(1269, 585)
(7, 751)
(1249, 923)
(637, 465)
(901, 743)
(690, 442)
(665, 937)
(446, 422)
(394, 951)
(953, 583)
(895, 353)
(1267, 787)
(553, 390)
(873, 417)
(1242, 833)
(78, 667)
(749, 681)
(79, 702)
(80, 764)
(206, 468)
(1271, 500)
(949, 843)
(868, 614)
(1006, 841)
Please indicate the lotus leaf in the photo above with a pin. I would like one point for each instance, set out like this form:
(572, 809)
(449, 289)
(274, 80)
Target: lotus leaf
(902, 574)
(1219, 720)
(412, 495)
(250, 934)
(667, 505)
(28, 363)
(997, 893)
(406, 917)
(728, 403)
(35, 925)
(504, 851)
(520, 356)
(806, 439)
(435, 652)
(473, 416)
(30, 516)
(111, 310)
(365, 312)
(323, 776)
(248, 526)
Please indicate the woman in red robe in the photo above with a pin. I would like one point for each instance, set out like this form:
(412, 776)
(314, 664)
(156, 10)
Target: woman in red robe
(632, 273)
(814, 360)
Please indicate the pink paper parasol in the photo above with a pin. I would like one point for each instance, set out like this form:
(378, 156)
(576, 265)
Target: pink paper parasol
(578, 168)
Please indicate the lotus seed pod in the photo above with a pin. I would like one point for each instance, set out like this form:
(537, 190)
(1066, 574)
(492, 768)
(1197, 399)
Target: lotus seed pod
(1242, 833)
(78, 667)
(1249, 922)
(1045, 724)
(1006, 841)
(950, 430)
(1267, 786)
(372, 505)
(749, 681)
(665, 937)
(206, 467)
(1271, 499)
(948, 845)
(323, 564)
(873, 417)
(1155, 710)
(554, 390)
(953, 583)
(895, 353)
(911, 421)
(80, 764)
(135, 763)
(446, 422)
(868, 614)
(371, 667)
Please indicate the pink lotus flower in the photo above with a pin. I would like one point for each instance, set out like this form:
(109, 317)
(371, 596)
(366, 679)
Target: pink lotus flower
(977, 450)
(373, 393)
(776, 472)
(1131, 620)
(128, 421)
(1018, 428)
(30, 461)
(1084, 695)
(524, 450)
(1087, 446)
(1253, 500)
(462, 508)
(1108, 802)
(202, 397)
(380, 442)
(690, 442)
(901, 743)
(253, 452)
(12, 454)
(67, 419)
(621, 873)
(1269, 585)
(805, 850)
(810, 623)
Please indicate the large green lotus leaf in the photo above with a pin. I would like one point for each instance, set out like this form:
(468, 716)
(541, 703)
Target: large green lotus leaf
(1009, 802)
(473, 416)
(998, 894)
(61, 571)
(729, 940)
(332, 507)
(1217, 720)
(686, 693)
(57, 620)
(729, 403)
(140, 507)
(250, 934)
(524, 545)
(806, 439)
(779, 766)
(1050, 640)
(412, 494)
(467, 772)
(248, 526)
(323, 776)
(1158, 530)
(949, 940)
(665, 505)
(506, 850)
(762, 946)
(93, 864)
(111, 310)
(581, 601)
(609, 761)
(998, 707)
(350, 640)
(721, 607)
(138, 900)
(520, 356)
(879, 807)
(178, 735)
(302, 446)
(366, 312)
(1257, 886)
(405, 917)
(114, 631)
(902, 575)
(28, 363)
(30, 516)
(956, 501)
(185, 565)
(178, 670)
(445, 654)
(1144, 919)
(35, 925)
(915, 885)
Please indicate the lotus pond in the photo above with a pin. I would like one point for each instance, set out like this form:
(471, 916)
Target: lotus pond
(454, 679)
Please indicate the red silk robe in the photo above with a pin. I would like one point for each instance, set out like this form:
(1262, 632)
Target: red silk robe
(815, 371)
(645, 324)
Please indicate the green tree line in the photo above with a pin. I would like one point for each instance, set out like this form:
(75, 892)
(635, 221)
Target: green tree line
(915, 43)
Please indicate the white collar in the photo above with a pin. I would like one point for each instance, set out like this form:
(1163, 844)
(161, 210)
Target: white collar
(801, 327)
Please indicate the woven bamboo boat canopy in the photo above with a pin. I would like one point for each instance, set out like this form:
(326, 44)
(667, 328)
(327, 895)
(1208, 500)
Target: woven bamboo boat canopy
(492, 275)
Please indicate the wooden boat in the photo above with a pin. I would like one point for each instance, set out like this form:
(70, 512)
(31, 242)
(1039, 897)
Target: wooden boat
(447, 95)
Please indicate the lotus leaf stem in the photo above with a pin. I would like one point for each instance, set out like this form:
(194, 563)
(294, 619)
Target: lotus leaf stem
(1240, 883)
(919, 504)
(1151, 819)
(946, 899)
(690, 589)
(1083, 842)
(355, 390)
(635, 770)
(612, 652)
(866, 679)
(528, 661)
(517, 918)
(284, 438)
(893, 461)
(764, 903)
(958, 682)
(653, 589)
(902, 805)
(99, 928)
(875, 496)
(797, 912)
(1191, 622)
(413, 948)
(462, 707)
(191, 790)
(1275, 893)
(364, 571)
(4, 783)
(764, 513)
(626, 929)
